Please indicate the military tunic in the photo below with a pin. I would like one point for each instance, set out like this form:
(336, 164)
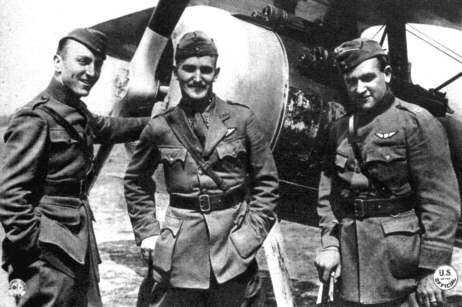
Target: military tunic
(382, 257)
(195, 246)
(43, 203)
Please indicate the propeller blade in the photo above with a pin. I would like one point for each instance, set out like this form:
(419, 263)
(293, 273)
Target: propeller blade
(143, 84)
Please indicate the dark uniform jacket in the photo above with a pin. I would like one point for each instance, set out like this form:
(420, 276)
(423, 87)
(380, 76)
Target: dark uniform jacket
(42, 162)
(194, 244)
(405, 148)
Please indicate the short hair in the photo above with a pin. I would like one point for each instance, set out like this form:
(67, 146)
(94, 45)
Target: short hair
(62, 46)
(383, 62)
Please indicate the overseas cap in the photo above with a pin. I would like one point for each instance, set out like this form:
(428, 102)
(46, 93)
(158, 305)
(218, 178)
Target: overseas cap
(94, 40)
(352, 53)
(195, 43)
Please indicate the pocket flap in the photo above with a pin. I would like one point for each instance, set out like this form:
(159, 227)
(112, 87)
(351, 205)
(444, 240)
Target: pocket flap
(173, 154)
(231, 149)
(406, 222)
(56, 234)
(386, 154)
(60, 136)
(173, 224)
(65, 212)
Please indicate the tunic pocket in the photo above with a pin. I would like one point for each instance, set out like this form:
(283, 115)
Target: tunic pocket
(245, 238)
(386, 154)
(165, 245)
(61, 136)
(54, 233)
(231, 149)
(402, 243)
(388, 164)
(64, 210)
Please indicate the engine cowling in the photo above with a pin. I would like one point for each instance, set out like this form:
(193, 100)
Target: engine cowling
(253, 61)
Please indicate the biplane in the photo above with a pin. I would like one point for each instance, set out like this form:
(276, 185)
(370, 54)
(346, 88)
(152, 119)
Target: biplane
(275, 57)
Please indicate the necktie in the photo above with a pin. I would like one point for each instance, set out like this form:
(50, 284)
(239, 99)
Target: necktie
(199, 127)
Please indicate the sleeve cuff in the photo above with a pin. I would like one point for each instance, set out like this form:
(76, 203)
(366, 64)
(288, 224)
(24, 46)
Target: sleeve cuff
(433, 256)
(152, 230)
(329, 241)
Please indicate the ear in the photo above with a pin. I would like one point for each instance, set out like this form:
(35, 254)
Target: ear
(58, 63)
(387, 71)
(217, 72)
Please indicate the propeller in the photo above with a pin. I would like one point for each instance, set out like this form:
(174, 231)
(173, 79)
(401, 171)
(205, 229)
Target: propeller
(143, 85)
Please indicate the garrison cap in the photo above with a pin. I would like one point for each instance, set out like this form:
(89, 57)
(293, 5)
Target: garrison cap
(195, 43)
(352, 53)
(94, 40)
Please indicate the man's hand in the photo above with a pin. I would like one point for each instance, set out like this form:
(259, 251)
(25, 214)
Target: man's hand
(147, 246)
(428, 294)
(328, 262)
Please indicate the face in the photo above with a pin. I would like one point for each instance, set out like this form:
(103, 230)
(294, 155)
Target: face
(78, 68)
(367, 84)
(196, 76)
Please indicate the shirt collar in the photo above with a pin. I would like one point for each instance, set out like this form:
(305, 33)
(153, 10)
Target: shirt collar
(62, 94)
(205, 106)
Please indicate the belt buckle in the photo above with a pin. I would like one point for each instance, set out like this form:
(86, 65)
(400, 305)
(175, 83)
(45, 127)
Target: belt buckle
(204, 203)
(358, 207)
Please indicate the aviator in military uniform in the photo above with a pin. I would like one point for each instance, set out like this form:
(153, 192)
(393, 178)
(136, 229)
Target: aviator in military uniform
(223, 187)
(44, 207)
(388, 196)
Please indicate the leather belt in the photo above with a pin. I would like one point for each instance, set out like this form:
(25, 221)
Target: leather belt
(69, 189)
(206, 202)
(360, 208)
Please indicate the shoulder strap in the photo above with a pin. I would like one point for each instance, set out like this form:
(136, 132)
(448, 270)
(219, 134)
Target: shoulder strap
(352, 139)
(352, 136)
(204, 165)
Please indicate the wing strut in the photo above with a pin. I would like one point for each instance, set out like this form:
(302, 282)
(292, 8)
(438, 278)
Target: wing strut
(396, 33)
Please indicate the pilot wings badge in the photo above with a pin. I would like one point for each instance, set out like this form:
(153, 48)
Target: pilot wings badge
(386, 135)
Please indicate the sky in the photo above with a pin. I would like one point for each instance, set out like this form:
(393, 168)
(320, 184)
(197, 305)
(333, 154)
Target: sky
(29, 31)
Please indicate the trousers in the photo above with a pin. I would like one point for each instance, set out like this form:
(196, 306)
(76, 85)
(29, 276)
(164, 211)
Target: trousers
(410, 301)
(242, 291)
(46, 286)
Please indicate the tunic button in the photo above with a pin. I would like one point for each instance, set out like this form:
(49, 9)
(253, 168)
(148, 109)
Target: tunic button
(199, 172)
(387, 157)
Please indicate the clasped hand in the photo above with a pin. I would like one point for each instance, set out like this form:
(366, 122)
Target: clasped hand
(327, 263)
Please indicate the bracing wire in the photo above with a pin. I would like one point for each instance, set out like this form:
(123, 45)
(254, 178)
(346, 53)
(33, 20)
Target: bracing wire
(378, 31)
(437, 47)
(434, 41)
